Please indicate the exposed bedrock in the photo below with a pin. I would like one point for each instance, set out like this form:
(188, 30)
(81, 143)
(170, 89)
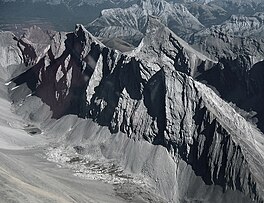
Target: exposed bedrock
(147, 94)
(60, 73)
(130, 23)
(239, 74)
(239, 81)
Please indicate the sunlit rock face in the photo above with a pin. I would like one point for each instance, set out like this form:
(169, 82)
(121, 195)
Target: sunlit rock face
(130, 23)
(150, 94)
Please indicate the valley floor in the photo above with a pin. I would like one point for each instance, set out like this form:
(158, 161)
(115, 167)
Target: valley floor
(27, 177)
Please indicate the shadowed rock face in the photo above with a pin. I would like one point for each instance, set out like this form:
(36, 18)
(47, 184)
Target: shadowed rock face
(242, 87)
(59, 78)
(238, 76)
(150, 94)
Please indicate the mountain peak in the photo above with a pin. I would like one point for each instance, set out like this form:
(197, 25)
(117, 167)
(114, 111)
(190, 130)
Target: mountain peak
(162, 44)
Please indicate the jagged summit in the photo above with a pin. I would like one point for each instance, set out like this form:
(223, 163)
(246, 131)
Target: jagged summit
(81, 30)
(161, 46)
(164, 104)
(149, 94)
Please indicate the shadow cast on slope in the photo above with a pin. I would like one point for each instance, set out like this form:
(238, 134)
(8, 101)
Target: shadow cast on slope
(62, 82)
(237, 84)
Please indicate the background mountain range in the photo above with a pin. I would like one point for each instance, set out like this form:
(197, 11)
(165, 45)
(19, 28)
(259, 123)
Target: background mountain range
(62, 15)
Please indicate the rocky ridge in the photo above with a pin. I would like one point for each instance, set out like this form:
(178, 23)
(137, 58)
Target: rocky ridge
(150, 94)
(240, 61)
(244, 26)
(231, 32)
(216, 12)
(132, 21)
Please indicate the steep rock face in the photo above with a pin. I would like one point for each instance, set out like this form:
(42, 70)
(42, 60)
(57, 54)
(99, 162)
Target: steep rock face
(240, 86)
(10, 55)
(154, 100)
(132, 21)
(194, 142)
(162, 46)
(57, 74)
(238, 74)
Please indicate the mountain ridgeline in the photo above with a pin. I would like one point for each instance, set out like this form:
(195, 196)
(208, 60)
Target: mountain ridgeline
(153, 94)
(160, 99)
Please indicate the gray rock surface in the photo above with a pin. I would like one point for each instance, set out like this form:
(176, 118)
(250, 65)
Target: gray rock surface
(251, 26)
(215, 12)
(240, 62)
(131, 22)
(144, 109)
